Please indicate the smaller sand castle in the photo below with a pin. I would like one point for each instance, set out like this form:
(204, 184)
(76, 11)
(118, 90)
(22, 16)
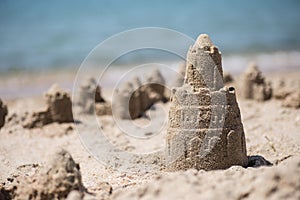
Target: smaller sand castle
(254, 85)
(91, 99)
(133, 98)
(59, 109)
(89, 93)
(205, 129)
(156, 83)
(3, 113)
(59, 104)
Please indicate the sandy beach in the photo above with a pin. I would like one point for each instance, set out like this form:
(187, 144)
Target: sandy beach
(122, 100)
(271, 131)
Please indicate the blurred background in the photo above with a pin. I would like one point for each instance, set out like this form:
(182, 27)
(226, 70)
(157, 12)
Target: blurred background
(59, 34)
(43, 42)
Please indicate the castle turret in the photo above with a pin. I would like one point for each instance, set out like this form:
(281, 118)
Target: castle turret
(254, 85)
(205, 129)
(59, 104)
(133, 98)
(90, 93)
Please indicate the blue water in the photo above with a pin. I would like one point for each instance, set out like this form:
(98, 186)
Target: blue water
(38, 34)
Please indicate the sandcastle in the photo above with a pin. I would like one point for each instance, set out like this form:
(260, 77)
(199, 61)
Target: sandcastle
(89, 93)
(156, 83)
(59, 104)
(133, 98)
(3, 113)
(59, 109)
(254, 85)
(121, 106)
(205, 129)
(91, 100)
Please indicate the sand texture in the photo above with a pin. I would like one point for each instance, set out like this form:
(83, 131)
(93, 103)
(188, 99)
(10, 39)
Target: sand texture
(271, 131)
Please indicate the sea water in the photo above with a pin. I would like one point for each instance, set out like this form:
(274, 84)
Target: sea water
(60, 34)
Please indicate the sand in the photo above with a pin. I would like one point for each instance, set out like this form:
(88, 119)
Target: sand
(271, 130)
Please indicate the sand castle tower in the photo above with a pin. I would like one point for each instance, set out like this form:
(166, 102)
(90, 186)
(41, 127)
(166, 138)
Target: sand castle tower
(156, 82)
(254, 85)
(133, 98)
(137, 99)
(3, 113)
(59, 104)
(205, 129)
(126, 102)
(90, 93)
(59, 109)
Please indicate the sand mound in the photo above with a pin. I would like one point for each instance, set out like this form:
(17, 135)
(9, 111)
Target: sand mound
(287, 90)
(55, 180)
(59, 178)
(292, 100)
(281, 91)
(279, 182)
